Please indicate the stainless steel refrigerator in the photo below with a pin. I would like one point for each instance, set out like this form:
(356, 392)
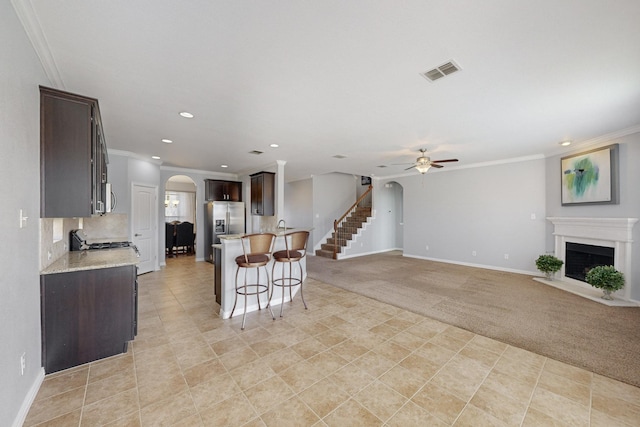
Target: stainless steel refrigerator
(222, 218)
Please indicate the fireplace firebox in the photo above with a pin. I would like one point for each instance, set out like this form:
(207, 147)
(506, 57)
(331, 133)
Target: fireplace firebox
(581, 258)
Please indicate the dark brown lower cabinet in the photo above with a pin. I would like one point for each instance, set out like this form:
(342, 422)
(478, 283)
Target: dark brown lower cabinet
(87, 315)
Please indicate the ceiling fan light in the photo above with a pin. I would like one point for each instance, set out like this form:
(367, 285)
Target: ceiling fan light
(423, 168)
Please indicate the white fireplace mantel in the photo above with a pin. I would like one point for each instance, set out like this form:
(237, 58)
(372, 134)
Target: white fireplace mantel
(609, 232)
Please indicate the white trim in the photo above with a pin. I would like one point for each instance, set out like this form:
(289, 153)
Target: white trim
(381, 251)
(468, 264)
(614, 233)
(28, 399)
(154, 245)
(31, 23)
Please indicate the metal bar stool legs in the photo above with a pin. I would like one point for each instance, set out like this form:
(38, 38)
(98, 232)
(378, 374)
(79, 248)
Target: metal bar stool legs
(256, 254)
(295, 251)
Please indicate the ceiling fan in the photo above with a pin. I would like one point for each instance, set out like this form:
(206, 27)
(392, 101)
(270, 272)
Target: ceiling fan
(423, 163)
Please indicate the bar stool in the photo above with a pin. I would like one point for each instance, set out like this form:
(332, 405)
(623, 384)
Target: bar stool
(256, 250)
(295, 250)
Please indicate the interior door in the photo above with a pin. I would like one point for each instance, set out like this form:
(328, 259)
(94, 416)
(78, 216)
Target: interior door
(144, 219)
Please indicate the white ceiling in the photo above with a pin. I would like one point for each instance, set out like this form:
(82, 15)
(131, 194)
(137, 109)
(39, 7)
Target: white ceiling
(324, 78)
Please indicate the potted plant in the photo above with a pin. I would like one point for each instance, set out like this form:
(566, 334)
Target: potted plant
(607, 278)
(548, 264)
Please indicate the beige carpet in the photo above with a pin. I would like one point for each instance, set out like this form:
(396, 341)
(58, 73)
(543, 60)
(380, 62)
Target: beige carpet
(508, 307)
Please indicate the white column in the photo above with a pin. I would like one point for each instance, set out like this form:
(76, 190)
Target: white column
(280, 189)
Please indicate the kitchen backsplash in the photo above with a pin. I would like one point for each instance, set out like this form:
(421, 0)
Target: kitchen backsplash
(54, 233)
(107, 228)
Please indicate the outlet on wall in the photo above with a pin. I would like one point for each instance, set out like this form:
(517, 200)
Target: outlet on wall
(23, 363)
(506, 256)
(473, 253)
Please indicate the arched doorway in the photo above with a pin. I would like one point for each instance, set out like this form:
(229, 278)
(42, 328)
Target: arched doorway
(180, 217)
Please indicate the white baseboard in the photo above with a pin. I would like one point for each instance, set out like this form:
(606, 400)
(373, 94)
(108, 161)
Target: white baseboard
(468, 264)
(28, 400)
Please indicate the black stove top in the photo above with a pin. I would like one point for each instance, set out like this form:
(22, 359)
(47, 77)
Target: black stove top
(109, 245)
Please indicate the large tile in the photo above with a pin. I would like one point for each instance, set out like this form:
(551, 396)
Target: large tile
(301, 375)
(168, 411)
(211, 392)
(352, 414)
(111, 408)
(503, 407)
(560, 408)
(267, 394)
(439, 402)
(63, 382)
(54, 406)
(381, 400)
(290, 413)
(121, 381)
(324, 396)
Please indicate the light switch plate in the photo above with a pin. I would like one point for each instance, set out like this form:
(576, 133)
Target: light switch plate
(23, 219)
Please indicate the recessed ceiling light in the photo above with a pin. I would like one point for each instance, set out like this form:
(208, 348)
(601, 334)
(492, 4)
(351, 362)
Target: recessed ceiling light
(155, 157)
(168, 141)
(565, 143)
(186, 115)
(340, 156)
(224, 166)
(273, 145)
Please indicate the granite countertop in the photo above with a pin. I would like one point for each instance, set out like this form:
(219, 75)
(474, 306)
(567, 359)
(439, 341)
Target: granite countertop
(278, 232)
(92, 260)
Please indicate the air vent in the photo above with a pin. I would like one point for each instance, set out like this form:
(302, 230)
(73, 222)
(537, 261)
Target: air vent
(381, 166)
(441, 71)
(256, 152)
(339, 156)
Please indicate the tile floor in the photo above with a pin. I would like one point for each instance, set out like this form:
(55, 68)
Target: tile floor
(347, 361)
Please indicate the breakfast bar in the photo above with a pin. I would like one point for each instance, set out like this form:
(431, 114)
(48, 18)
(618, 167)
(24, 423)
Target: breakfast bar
(230, 248)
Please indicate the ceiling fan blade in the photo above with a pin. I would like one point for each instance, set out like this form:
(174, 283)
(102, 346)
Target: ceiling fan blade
(444, 161)
(410, 168)
(434, 165)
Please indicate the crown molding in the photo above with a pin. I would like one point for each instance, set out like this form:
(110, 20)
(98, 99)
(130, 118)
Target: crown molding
(596, 142)
(29, 19)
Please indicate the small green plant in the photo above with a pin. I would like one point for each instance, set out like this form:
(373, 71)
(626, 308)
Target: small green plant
(548, 264)
(605, 277)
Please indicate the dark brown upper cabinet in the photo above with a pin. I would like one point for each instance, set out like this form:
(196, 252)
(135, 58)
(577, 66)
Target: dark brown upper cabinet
(262, 193)
(220, 190)
(73, 156)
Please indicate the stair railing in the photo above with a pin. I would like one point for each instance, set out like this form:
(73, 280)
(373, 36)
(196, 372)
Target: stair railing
(338, 232)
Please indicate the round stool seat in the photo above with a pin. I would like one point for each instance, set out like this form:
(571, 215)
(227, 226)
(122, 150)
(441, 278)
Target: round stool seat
(287, 256)
(253, 260)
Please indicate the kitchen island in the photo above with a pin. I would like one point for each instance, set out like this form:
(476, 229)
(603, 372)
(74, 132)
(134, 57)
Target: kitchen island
(231, 247)
(88, 303)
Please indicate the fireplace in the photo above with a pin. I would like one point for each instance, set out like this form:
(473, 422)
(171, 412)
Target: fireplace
(580, 258)
(583, 243)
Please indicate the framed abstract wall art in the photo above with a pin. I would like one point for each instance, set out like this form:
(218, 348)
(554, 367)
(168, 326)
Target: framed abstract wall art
(590, 177)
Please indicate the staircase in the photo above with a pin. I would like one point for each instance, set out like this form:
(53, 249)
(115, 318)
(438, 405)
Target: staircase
(345, 232)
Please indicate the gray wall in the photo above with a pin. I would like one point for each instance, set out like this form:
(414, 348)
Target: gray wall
(298, 204)
(484, 209)
(21, 73)
(333, 194)
(629, 206)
